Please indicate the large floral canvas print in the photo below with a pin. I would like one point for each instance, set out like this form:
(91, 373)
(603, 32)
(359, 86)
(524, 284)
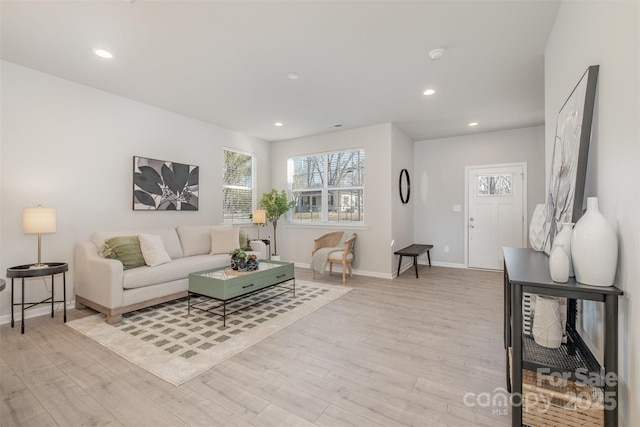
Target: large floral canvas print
(160, 185)
(570, 152)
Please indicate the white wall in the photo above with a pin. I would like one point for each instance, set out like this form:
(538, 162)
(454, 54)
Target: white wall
(295, 242)
(439, 167)
(606, 33)
(71, 147)
(402, 214)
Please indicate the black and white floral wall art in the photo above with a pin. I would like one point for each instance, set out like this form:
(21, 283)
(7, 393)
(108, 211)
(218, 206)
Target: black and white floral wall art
(570, 151)
(160, 185)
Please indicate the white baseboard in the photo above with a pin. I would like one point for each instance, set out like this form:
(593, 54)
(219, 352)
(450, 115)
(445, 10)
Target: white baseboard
(355, 271)
(44, 309)
(444, 264)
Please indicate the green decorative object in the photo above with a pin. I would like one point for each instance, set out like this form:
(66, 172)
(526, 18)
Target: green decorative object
(276, 204)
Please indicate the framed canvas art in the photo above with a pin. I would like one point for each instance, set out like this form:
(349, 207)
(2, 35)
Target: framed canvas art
(570, 151)
(160, 185)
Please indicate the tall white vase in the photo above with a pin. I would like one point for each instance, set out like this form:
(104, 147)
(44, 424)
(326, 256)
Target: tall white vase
(564, 238)
(547, 323)
(594, 248)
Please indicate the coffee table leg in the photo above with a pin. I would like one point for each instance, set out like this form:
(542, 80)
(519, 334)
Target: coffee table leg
(224, 314)
(415, 265)
(188, 303)
(399, 263)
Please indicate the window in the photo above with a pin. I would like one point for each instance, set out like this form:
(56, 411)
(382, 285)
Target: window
(328, 187)
(494, 185)
(237, 186)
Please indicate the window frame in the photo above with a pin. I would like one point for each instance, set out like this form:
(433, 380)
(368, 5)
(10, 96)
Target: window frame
(326, 191)
(253, 188)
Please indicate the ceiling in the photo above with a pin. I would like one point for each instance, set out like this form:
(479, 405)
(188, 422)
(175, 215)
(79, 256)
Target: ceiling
(360, 62)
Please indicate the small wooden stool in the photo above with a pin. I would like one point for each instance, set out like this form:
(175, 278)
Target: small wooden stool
(413, 251)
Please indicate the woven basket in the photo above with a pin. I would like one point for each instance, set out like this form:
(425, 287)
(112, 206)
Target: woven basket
(549, 402)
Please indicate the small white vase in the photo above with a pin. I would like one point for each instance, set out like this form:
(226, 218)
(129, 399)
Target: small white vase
(564, 238)
(594, 248)
(547, 324)
(559, 264)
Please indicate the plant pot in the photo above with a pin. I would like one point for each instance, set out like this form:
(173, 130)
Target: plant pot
(275, 257)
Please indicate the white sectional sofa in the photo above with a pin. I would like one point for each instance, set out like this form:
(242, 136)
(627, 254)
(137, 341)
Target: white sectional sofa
(105, 286)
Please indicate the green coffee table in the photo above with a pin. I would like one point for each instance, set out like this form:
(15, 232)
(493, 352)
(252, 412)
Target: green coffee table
(227, 286)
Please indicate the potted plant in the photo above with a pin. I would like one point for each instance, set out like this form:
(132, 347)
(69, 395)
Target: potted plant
(275, 203)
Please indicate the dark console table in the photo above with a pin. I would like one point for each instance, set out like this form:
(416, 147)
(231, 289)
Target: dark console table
(29, 271)
(526, 270)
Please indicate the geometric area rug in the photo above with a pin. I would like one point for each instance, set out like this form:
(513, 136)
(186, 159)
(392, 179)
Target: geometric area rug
(177, 347)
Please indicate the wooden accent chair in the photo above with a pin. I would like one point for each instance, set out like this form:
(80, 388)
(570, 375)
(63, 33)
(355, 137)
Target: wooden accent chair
(343, 256)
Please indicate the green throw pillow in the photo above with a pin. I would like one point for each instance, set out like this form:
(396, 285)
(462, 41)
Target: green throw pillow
(244, 240)
(125, 249)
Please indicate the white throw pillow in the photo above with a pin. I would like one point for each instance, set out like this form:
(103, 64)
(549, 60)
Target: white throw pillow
(153, 250)
(224, 240)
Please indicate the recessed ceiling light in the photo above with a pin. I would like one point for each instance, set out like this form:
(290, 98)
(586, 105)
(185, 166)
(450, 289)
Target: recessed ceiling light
(429, 92)
(278, 124)
(293, 76)
(103, 53)
(472, 124)
(436, 54)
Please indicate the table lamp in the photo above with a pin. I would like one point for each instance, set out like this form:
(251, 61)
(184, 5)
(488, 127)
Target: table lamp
(259, 218)
(37, 221)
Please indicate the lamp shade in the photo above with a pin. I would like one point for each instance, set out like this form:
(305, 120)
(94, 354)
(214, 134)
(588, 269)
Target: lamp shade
(259, 216)
(39, 220)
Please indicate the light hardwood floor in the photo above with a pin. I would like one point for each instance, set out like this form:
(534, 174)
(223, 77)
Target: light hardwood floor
(400, 352)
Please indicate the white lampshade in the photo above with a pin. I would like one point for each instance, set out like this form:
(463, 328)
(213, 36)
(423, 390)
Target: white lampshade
(39, 220)
(259, 216)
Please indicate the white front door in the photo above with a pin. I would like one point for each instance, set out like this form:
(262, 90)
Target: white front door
(495, 212)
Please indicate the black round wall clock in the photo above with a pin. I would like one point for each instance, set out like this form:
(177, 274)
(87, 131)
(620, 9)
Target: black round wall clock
(404, 186)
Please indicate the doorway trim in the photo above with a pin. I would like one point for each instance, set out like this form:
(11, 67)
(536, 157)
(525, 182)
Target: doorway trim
(525, 212)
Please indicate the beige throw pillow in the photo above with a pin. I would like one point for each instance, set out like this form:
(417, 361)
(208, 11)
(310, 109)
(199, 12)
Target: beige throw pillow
(153, 250)
(224, 240)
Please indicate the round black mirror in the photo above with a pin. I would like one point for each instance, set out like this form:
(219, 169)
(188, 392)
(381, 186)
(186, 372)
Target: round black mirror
(404, 186)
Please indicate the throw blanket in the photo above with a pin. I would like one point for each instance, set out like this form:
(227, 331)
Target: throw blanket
(321, 257)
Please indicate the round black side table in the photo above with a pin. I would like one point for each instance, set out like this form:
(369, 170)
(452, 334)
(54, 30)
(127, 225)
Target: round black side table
(29, 271)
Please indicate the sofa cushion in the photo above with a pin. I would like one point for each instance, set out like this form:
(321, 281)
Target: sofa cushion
(224, 240)
(178, 269)
(125, 249)
(153, 250)
(169, 238)
(245, 242)
(175, 270)
(195, 239)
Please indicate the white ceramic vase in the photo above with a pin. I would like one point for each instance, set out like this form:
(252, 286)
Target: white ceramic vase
(537, 228)
(559, 263)
(547, 324)
(564, 238)
(594, 248)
